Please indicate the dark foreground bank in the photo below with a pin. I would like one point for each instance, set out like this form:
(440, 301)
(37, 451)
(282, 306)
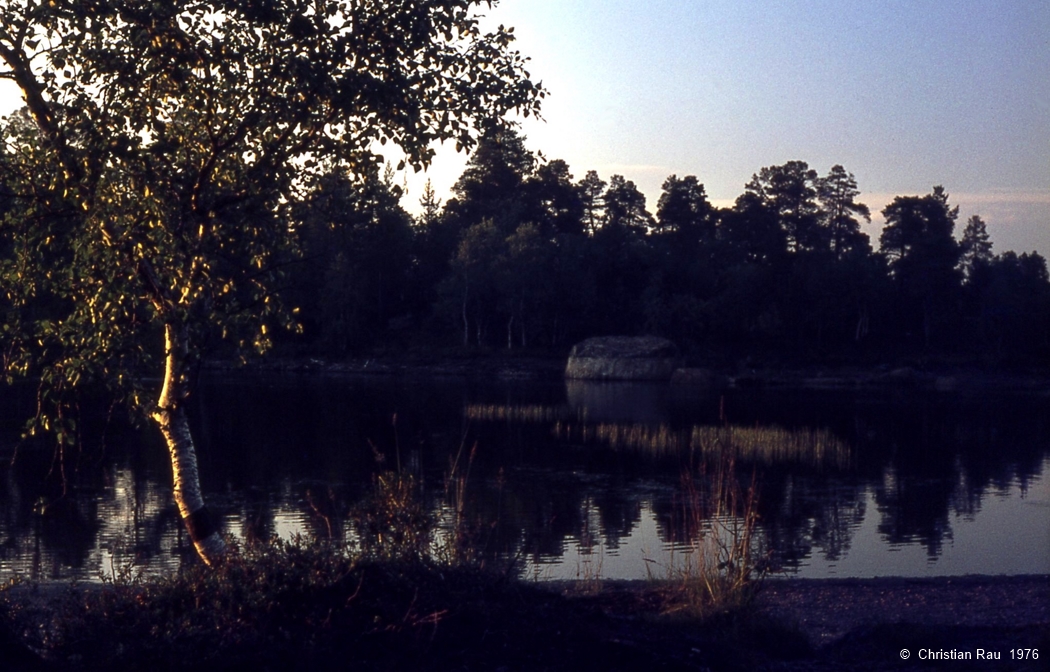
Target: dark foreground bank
(309, 612)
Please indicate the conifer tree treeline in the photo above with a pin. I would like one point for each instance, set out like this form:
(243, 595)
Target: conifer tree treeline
(524, 255)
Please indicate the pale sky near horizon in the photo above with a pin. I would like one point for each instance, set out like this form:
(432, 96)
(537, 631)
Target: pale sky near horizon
(906, 95)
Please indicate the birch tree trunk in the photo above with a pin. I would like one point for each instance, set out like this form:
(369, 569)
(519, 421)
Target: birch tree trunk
(170, 417)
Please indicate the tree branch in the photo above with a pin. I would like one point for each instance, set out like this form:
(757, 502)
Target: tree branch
(32, 91)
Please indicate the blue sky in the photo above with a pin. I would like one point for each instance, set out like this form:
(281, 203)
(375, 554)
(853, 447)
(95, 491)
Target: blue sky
(904, 94)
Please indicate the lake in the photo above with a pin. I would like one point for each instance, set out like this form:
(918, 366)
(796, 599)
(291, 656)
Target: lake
(570, 481)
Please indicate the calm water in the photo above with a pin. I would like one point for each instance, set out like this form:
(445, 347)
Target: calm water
(576, 481)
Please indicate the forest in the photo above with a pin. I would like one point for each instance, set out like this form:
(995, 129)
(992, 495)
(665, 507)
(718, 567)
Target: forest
(523, 256)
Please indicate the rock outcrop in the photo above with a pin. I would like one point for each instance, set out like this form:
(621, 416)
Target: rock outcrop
(623, 358)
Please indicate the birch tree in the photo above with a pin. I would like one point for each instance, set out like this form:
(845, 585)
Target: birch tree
(171, 140)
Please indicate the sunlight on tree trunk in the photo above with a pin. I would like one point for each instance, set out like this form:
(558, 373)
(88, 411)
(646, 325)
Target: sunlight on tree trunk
(170, 416)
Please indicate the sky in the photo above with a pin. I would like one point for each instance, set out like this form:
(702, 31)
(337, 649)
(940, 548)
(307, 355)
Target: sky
(905, 95)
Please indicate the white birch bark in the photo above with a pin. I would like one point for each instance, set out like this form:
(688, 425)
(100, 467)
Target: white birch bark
(170, 417)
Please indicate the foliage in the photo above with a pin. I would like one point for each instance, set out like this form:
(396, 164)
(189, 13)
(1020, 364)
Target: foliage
(591, 188)
(555, 203)
(394, 524)
(292, 605)
(173, 141)
(790, 191)
(492, 185)
(521, 256)
(355, 274)
(785, 273)
(278, 605)
(752, 231)
(625, 208)
(975, 247)
(683, 208)
(919, 231)
(837, 193)
(1011, 293)
(923, 259)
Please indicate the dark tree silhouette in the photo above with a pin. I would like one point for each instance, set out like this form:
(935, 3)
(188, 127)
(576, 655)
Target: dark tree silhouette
(1013, 305)
(553, 202)
(683, 209)
(492, 185)
(975, 247)
(358, 257)
(625, 207)
(923, 259)
(592, 189)
(790, 191)
(837, 193)
(751, 231)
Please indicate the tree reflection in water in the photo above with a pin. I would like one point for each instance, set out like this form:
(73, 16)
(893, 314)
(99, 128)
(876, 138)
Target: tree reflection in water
(557, 477)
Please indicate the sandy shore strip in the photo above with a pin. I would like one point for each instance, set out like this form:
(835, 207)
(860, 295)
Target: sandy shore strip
(826, 609)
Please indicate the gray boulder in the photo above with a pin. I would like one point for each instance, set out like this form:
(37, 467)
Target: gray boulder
(623, 358)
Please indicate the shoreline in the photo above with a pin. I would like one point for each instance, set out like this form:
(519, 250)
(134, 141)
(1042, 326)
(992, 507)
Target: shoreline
(827, 609)
(804, 625)
(794, 625)
(505, 367)
(817, 606)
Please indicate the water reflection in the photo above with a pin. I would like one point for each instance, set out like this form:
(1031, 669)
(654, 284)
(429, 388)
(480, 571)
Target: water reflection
(572, 480)
(619, 401)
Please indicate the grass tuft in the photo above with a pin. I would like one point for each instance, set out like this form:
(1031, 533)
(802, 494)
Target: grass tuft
(722, 565)
(393, 523)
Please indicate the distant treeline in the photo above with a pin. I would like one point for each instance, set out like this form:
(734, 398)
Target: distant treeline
(523, 256)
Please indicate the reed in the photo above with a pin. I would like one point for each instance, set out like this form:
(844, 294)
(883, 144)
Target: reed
(591, 552)
(531, 413)
(393, 524)
(721, 564)
(768, 445)
(456, 540)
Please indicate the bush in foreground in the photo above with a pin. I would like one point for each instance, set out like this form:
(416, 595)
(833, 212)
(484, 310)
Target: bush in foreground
(383, 601)
(304, 605)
